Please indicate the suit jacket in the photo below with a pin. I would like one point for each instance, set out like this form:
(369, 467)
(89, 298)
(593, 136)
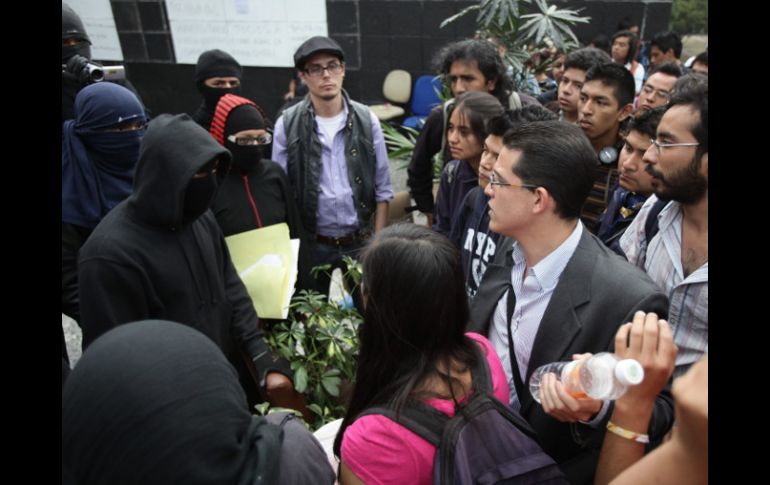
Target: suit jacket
(597, 292)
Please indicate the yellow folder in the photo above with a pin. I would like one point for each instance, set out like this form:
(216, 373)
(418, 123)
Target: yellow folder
(266, 261)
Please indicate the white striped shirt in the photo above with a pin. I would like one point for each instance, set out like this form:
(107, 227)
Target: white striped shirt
(662, 260)
(532, 297)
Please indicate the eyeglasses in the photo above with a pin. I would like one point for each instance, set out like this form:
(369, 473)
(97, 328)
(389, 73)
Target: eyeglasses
(315, 70)
(494, 181)
(263, 139)
(664, 95)
(659, 145)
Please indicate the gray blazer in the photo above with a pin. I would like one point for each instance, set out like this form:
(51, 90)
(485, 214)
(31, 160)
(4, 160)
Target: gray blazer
(597, 292)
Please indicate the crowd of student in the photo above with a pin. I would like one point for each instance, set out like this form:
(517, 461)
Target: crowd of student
(554, 233)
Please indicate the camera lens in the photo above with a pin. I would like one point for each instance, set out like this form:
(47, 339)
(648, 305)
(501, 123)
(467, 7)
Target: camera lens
(95, 73)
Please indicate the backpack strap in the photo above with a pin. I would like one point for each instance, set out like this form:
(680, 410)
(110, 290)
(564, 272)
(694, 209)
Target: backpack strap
(450, 169)
(425, 420)
(481, 376)
(416, 416)
(651, 223)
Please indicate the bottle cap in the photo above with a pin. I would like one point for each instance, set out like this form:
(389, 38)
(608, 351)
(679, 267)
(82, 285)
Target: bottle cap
(629, 372)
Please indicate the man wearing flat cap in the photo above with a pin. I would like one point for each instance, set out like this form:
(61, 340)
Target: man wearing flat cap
(333, 151)
(217, 73)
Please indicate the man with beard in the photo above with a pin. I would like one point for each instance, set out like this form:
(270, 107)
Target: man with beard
(217, 73)
(161, 254)
(669, 237)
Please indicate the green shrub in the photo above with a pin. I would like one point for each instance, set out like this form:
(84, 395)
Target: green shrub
(320, 341)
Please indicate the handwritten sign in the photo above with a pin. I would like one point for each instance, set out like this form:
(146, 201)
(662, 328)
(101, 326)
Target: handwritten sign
(255, 32)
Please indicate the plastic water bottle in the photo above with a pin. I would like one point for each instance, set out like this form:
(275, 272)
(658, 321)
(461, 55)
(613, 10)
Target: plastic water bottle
(601, 376)
(346, 302)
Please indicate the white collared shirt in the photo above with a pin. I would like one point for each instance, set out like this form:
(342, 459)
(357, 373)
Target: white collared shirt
(533, 294)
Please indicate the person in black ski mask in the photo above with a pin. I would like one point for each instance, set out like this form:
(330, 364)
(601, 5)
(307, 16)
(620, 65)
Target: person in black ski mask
(75, 42)
(217, 73)
(160, 253)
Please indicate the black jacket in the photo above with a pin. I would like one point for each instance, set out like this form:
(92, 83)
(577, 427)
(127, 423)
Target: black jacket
(141, 261)
(597, 292)
(267, 187)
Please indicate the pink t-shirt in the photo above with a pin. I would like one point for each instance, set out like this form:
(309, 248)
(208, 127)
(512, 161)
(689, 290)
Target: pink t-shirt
(380, 451)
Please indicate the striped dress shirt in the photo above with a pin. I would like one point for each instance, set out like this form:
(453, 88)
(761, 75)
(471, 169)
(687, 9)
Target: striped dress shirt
(533, 294)
(662, 260)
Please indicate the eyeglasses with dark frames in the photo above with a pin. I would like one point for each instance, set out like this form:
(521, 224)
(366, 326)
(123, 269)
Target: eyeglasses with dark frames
(495, 181)
(315, 70)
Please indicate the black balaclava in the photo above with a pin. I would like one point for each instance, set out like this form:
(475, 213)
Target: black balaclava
(72, 27)
(199, 194)
(244, 117)
(216, 63)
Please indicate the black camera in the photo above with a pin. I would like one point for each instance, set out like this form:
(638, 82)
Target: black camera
(87, 72)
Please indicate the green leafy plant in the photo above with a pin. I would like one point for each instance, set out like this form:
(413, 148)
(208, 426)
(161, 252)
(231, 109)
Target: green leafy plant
(520, 33)
(690, 16)
(399, 142)
(320, 341)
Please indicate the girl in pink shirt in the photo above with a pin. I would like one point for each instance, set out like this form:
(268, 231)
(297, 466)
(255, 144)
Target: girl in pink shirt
(412, 345)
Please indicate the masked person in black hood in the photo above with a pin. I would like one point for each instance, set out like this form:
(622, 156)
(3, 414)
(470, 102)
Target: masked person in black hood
(75, 42)
(255, 193)
(155, 402)
(160, 253)
(217, 73)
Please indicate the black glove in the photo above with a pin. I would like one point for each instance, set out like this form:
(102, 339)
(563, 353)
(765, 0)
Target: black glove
(82, 70)
(267, 362)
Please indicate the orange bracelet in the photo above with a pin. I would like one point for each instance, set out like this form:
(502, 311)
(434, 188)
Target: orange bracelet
(629, 435)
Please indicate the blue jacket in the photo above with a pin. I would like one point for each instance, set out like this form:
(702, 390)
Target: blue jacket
(621, 210)
(471, 234)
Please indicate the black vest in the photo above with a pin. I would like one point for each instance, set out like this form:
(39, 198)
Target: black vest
(304, 160)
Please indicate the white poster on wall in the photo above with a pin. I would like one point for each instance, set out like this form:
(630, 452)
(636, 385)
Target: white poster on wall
(100, 26)
(255, 32)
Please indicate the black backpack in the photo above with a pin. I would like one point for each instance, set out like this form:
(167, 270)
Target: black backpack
(485, 442)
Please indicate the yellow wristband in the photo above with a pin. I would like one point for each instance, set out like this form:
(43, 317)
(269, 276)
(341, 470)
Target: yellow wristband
(629, 435)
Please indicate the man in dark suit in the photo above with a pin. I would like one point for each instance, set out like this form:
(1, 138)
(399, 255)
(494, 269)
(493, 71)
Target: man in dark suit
(569, 292)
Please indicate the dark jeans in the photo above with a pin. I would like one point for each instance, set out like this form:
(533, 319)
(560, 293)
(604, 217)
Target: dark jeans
(322, 253)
